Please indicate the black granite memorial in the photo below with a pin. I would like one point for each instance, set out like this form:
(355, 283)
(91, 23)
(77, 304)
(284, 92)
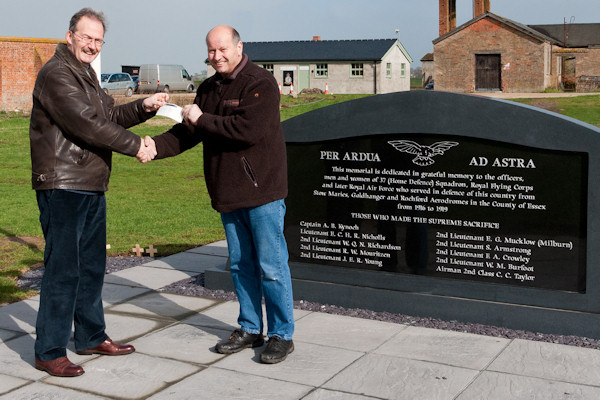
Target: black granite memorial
(449, 206)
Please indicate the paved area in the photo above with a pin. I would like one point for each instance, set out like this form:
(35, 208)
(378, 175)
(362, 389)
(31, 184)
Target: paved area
(336, 357)
(503, 95)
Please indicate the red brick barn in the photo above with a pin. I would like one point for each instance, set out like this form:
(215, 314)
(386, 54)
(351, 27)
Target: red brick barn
(490, 52)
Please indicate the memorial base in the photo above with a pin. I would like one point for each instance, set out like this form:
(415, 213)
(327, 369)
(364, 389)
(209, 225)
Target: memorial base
(311, 286)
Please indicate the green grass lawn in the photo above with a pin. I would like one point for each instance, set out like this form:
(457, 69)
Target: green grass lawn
(163, 203)
(583, 108)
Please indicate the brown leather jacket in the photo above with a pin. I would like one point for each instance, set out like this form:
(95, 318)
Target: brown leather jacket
(75, 127)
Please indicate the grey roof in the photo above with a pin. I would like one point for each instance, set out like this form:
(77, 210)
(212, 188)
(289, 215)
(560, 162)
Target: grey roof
(576, 35)
(319, 50)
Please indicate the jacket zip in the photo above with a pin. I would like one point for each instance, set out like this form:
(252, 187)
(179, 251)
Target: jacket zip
(249, 171)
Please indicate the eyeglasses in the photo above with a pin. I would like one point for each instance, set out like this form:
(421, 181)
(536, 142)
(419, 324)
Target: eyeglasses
(88, 40)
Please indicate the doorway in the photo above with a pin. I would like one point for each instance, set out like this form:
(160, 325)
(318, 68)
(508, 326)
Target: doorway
(487, 72)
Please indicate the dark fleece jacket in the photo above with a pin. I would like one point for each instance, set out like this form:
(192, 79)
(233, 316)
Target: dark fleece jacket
(244, 150)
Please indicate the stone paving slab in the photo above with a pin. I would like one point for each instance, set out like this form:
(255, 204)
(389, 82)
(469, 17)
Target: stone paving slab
(444, 347)
(221, 316)
(146, 277)
(6, 334)
(20, 316)
(17, 358)
(345, 332)
(10, 383)
(215, 249)
(224, 316)
(164, 305)
(500, 386)
(188, 261)
(214, 383)
(184, 343)
(114, 294)
(323, 394)
(398, 378)
(550, 361)
(133, 376)
(123, 328)
(309, 364)
(42, 391)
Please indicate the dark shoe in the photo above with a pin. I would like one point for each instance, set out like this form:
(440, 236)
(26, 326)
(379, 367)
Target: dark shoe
(108, 348)
(59, 367)
(277, 350)
(240, 340)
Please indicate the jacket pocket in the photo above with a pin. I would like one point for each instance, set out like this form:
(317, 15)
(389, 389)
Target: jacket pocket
(249, 171)
(76, 154)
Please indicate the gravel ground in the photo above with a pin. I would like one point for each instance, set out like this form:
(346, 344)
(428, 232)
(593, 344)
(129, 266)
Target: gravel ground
(194, 286)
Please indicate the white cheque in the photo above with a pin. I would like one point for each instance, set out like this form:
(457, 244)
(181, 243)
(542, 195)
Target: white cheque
(172, 111)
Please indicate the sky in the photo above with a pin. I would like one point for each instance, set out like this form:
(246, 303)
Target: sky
(173, 32)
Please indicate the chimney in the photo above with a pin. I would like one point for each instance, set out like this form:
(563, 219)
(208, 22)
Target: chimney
(447, 16)
(316, 38)
(480, 7)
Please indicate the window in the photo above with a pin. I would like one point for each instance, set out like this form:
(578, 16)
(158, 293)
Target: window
(388, 70)
(268, 67)
(321, 71)
(357, 70)
(403, 70)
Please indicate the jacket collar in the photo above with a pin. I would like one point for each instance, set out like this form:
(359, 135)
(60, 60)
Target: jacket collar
(239, 67)
(63, 52)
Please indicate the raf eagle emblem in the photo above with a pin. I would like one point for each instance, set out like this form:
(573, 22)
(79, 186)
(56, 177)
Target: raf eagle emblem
(423, 154)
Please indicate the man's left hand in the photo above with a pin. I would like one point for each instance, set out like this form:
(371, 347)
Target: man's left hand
(191, 113)
(155, 101)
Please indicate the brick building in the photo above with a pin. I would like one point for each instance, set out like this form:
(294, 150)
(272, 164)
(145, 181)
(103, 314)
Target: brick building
(20, 61)
(490, 52)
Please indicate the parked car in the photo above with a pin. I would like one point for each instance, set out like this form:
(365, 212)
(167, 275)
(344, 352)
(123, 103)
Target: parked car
(117, 83)
(136, 79)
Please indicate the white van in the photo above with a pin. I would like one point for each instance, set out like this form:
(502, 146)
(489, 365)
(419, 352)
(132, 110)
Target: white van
(164, 78)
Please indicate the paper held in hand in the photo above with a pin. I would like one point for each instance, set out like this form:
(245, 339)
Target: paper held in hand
(172, 111)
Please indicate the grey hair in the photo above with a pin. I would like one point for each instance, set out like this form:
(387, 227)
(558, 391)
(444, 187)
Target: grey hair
(87, 12)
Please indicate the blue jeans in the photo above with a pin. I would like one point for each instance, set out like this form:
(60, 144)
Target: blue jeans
(259, 266)
(74, 226)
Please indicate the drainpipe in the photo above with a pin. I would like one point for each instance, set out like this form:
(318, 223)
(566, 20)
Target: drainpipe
(375, 77)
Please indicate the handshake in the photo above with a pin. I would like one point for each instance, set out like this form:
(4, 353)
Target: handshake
(190, 114)
(147, 150)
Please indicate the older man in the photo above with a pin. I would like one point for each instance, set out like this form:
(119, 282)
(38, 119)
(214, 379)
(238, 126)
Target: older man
(74, 129)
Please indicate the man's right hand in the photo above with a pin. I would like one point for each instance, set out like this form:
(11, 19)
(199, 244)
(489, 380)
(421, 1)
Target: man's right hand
(147, 150)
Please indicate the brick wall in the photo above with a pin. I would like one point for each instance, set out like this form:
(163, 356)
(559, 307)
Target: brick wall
(20, 61)
(522, 58)
(588, 70)
(588, 63)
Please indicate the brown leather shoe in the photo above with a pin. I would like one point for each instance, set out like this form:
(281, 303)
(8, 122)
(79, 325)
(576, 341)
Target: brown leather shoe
(59, 367)
(109, 348)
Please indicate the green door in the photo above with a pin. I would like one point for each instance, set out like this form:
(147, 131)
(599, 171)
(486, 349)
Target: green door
(303, 77)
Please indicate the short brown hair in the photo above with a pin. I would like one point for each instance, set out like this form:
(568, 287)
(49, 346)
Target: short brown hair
(87, 12)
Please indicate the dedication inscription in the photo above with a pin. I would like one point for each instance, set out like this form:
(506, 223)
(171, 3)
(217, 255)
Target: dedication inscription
(440, 205)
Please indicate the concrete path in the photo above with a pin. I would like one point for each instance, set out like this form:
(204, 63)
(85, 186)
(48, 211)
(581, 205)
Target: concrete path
(508, 95)
(336, 357)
